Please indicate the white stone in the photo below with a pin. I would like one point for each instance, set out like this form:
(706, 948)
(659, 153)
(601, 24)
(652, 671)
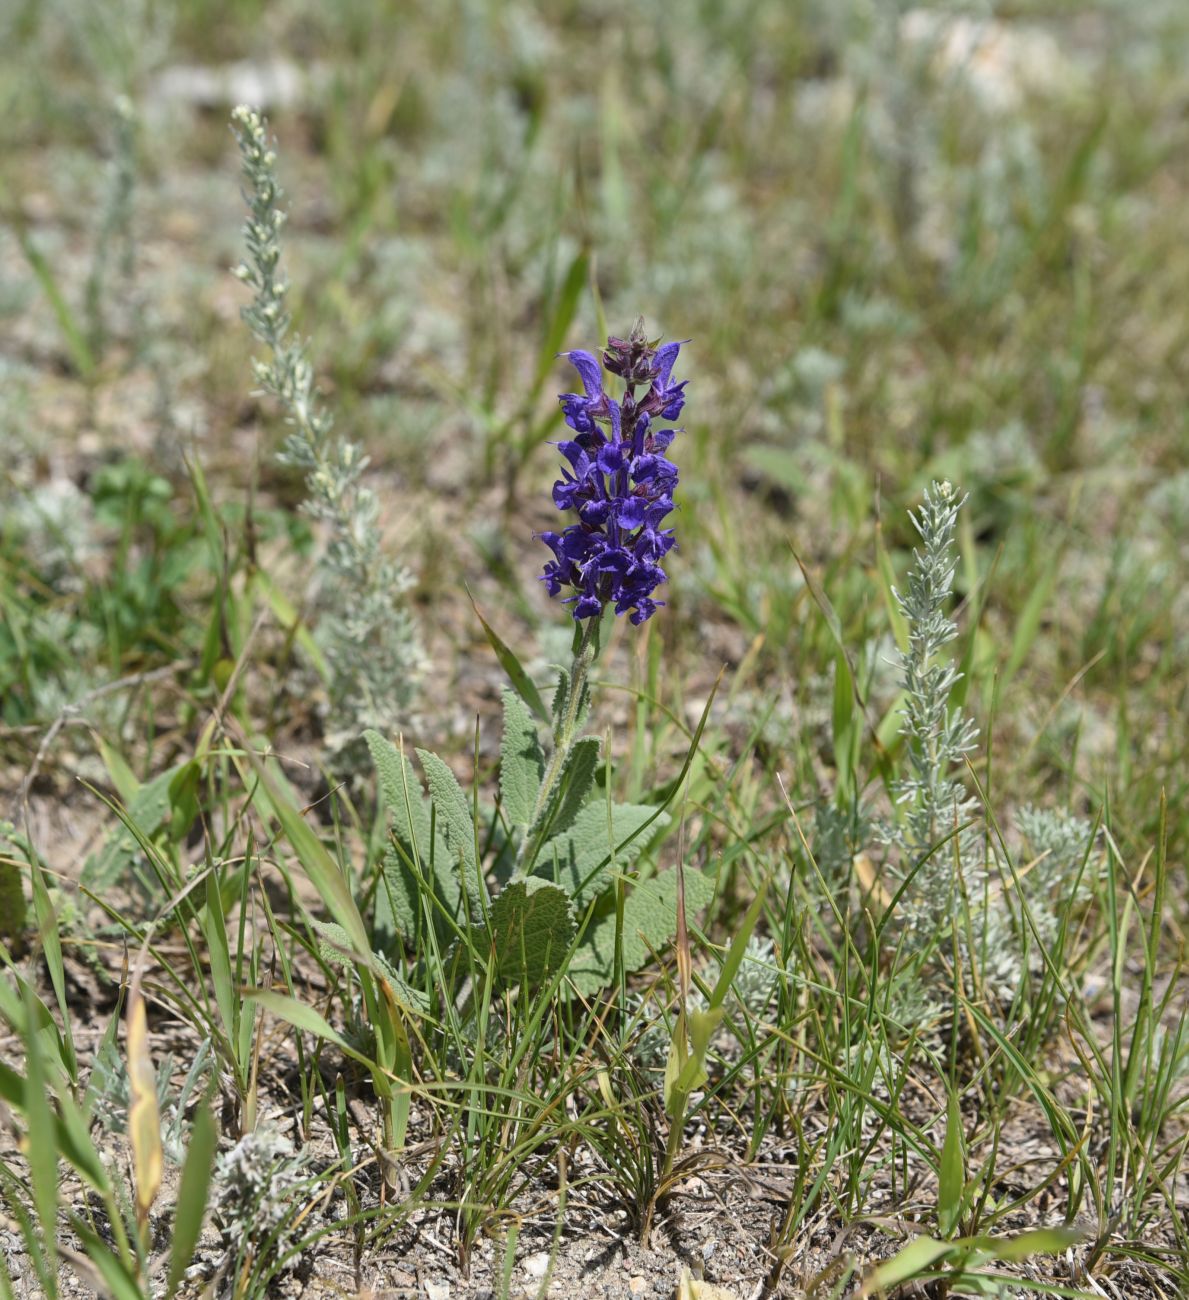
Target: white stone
(537, 1265)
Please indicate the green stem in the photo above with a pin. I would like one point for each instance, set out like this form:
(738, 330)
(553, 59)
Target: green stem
(673, 1142)
(564, 736)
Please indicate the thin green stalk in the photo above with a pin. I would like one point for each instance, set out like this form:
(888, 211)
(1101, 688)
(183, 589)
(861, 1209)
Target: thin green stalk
(564, 736)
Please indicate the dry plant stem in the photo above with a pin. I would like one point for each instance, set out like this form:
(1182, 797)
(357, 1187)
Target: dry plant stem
(70, 714)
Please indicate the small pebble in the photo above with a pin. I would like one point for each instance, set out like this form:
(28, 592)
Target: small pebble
(537, 1265)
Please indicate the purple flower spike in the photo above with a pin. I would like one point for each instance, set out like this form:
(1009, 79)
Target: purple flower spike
(620, 481)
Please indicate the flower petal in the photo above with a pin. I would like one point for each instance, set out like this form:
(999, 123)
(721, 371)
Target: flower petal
(588, 370)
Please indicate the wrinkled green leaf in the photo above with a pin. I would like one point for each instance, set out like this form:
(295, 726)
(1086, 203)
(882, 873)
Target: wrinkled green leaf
(396, 912)
(454, 820)
(578, 858)
(531, 931)
(649, 923)
(522, 764)
(398, 904)
(334, 947)
(401, 794)
(577, 778)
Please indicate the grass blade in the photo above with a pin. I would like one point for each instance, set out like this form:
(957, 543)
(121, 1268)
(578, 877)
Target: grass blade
(521, 682)
(952, 1173)
(42, 1150)
(192, 1195)
(144, 1119)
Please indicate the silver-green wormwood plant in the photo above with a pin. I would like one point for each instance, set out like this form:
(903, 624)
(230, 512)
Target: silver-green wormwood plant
(937, 737)
(366, 632)
(955, 868)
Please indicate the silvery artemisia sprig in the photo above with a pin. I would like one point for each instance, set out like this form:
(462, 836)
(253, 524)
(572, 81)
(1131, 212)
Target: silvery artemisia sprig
(368, 636)
(619, 480)
(937, 734)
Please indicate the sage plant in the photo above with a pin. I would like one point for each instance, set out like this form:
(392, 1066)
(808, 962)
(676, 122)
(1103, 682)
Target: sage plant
(620, 483)
(568, 847)
(258, 1183)
(367, 633)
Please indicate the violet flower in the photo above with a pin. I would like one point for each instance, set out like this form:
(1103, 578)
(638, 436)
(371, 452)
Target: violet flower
(618, 480)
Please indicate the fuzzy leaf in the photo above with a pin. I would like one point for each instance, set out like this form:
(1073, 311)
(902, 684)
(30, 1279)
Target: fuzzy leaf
(401, 992)
(578, 858)
(521, 763)
(396, 912)
(398, 906)
(577, 777)
(454, 820)
(401, 794)
(649, 923)
(334, 945)
(561, 695)
(531, 931)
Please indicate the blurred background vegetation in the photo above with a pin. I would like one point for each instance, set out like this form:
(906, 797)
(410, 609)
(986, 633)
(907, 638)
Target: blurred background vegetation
(907, 243)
